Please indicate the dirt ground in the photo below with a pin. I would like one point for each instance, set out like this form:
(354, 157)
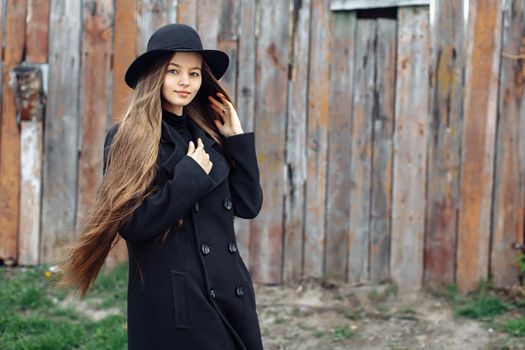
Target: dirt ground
(325, 315)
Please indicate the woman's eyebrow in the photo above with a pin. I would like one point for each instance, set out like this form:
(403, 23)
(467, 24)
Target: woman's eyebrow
(175, 64)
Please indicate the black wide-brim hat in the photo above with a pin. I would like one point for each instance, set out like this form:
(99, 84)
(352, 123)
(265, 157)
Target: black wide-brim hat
(172, 38)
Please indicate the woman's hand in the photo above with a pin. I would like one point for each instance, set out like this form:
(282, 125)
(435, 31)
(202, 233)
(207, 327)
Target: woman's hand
(230, 124)
(200, 155)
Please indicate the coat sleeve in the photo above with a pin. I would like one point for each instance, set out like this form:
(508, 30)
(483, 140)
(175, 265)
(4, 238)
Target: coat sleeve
(245, 187)
(163, 208)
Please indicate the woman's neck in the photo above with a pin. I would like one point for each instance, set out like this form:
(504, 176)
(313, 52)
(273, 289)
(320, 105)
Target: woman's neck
(176, 110)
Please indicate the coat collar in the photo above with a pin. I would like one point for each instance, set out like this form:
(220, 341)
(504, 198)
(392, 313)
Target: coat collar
(220, 168)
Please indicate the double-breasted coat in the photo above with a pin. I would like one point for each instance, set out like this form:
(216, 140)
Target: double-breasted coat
(194, 291)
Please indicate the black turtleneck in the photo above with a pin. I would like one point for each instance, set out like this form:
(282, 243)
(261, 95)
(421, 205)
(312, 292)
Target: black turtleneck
(179, 123)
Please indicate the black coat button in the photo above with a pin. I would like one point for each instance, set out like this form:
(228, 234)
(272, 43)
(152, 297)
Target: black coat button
(212, 293)
(227, 203)
(232, 247)
(196, 207)
(239, 291)
(205, 249)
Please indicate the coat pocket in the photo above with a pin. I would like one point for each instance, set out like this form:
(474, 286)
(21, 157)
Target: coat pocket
(179, 291)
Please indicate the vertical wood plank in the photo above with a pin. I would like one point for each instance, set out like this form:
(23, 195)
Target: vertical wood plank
(296, 144)
(316, 136)
(208, 22)
(29, 95)
(509, 186)
(227, 41)
(37, 30)
(61, 128)
(151, 15)
(187, 12)
(361, 156)
(125, 45)
(339, 145)
(382, 150)
(31, 134)
(479, 131)
(270, 119)
(245, 99)
(9, 133)
(444, 149)
(97, 47)
(410, 140)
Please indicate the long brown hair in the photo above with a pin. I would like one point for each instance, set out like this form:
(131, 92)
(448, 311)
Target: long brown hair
(131, 171)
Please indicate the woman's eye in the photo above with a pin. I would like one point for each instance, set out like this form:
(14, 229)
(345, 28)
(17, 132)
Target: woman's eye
(172, 71)
(196, 74)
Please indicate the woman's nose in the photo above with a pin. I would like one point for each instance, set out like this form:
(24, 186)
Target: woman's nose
(184, 80)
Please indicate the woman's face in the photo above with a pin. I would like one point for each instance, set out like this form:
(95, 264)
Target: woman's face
(182, 80)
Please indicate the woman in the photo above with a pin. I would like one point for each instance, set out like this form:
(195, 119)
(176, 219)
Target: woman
(177, 168)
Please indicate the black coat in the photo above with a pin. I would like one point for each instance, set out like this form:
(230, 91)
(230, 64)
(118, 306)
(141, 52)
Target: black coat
(194, 292)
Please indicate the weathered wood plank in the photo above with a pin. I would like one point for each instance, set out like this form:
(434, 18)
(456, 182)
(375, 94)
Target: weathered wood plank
(37, 30)
(97, 48)
(339, 146)
(245, 87)
(410, 140)
(125, 44)
(270, 119)
(444, 151)
(382, 150)
(361, 156)
(479, 131)
(228, 40)
(61, 129)
(29, 95)
(31, 137)
(316, 138)
(9, 133)
(509, 186)
(151, 15)
(208, 22)
(296, 143)
(187, 12)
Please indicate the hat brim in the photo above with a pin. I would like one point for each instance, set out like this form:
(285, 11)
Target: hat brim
(217, 60)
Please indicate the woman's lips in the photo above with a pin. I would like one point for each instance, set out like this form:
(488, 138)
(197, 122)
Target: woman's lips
(183, 94)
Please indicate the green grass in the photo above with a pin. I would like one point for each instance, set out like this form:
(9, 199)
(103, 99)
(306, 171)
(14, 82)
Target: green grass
(485, 305)
(32, 316)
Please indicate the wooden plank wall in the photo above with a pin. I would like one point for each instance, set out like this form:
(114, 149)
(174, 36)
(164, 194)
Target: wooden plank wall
(390, 146)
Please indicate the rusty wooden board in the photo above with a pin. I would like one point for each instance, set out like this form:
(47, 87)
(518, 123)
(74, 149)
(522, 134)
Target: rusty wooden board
(444, 150)
(37, 21)
(361, 156)
(339, 145)
(9, 133)
(479, 132)
(31, 140)
(316, 138)
(410, 140)
(125, 38)
(61, 129)
(296, 142)
(187, 12)
(270, 121)
(125, 44)
(245, 92)
(382, 150)
(509, 185)
(95, 99)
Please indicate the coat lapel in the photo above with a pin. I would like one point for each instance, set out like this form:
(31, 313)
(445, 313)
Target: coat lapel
(174, 148)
